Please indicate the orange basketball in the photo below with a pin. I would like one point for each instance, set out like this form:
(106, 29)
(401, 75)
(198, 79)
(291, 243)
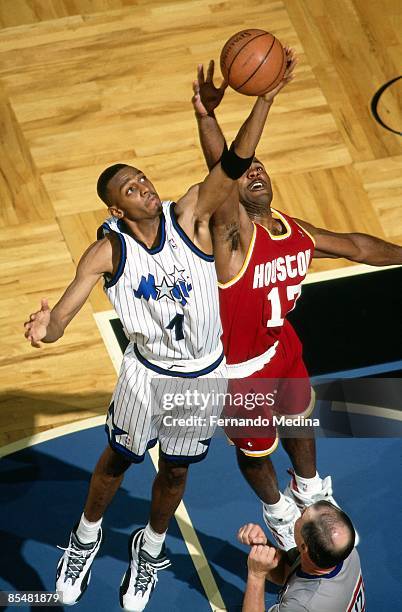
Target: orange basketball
(253, 62)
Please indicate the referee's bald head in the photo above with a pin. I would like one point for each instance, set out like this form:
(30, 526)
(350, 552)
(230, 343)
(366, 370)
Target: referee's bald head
(326, 533)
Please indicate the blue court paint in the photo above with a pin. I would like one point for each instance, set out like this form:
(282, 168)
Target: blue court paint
(366, 475)
(43, 495)
(45, 488)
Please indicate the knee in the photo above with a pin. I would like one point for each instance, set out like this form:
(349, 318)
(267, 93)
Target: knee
(112, 464)
(174, 475)
(250, 464)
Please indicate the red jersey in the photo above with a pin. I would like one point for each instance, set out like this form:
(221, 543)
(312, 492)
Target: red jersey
(254, 304)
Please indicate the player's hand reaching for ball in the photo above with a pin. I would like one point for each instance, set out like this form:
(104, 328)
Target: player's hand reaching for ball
(288, 76)
(206, 95)
(261, 560)
(251, 534)
(36, 326)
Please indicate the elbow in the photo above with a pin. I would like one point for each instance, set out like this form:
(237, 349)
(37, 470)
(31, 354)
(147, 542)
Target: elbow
(372, 259)
(360, 257)
(358, 253)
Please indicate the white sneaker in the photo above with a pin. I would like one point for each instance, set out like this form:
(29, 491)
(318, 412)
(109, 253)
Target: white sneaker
(303, 499)
(74, 568)
(283, 528)
(141, 577)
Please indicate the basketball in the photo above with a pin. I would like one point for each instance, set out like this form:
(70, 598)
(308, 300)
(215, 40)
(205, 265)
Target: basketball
(253, 62)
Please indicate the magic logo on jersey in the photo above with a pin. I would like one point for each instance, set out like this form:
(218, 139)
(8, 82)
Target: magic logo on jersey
(173, 286)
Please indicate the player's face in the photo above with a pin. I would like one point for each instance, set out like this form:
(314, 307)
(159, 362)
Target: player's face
(134, 195)
(255, 185)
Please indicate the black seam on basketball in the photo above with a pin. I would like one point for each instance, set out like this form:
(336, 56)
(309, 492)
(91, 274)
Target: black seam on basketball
(258, 67)
(265, 90)
(243, 47)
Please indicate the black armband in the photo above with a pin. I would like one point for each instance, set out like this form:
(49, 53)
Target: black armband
(233, 165)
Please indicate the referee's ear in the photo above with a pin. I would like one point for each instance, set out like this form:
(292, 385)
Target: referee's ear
(303, 549)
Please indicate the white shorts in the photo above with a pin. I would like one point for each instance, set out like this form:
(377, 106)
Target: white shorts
(178, 412)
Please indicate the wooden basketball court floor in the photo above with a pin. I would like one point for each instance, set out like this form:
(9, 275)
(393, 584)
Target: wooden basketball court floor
(86, 83)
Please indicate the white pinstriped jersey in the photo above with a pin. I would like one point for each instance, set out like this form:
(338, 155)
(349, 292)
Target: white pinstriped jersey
(166, 297)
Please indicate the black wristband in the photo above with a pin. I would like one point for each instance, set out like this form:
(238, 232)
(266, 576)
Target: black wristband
(233, 165)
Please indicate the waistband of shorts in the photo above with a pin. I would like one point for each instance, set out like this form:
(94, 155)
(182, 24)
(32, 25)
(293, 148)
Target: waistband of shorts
(183, 368)
(249, 367)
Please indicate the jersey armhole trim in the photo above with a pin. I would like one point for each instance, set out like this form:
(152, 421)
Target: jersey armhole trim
(306, 231)
(186, 239)
(245, 262)
(123, 257)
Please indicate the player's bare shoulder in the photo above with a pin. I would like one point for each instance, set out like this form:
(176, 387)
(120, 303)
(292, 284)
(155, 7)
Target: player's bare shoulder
(237, 232)
(101, 257)
(185, 210)
(187, 203)
(231, 241)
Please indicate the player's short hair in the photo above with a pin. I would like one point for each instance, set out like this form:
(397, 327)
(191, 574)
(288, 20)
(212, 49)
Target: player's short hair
(103, 181)
(317, 535)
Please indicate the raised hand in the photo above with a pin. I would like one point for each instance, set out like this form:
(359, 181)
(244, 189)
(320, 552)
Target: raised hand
(262, 559)
(251, 534)
(206, 95)
(288, 76)
(36, 326)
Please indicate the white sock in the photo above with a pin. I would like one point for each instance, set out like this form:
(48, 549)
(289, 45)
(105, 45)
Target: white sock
(152, 542)
(309, 485)
(87, 532)
(278, 510)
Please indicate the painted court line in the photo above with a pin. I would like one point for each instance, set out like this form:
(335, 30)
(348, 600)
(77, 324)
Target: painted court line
(182, 516)
(51, 434)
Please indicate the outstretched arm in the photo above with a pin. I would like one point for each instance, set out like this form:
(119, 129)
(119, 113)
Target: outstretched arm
(207, 98)
(361, 248)
(48, 325)
(194, 210)
(217, 186)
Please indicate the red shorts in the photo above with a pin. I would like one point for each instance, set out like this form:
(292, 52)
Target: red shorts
(281, 388)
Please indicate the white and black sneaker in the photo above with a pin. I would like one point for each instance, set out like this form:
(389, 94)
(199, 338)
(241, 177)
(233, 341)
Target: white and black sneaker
(74, 568)
(303, 499)
(283, 528)
(141, 576)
